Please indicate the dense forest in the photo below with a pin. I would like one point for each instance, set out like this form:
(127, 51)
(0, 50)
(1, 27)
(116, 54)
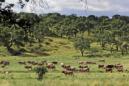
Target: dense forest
(19, 29)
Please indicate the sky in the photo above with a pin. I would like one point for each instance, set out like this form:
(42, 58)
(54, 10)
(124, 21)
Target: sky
(93, 7)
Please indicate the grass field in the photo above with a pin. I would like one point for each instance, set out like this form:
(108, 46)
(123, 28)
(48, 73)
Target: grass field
(62, 51)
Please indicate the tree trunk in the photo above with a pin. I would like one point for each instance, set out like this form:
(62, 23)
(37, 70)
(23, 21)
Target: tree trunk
(103, 45)
(126, 49)
(39, 42)
(40, 76)
(88, 32)
(117, 48)
(30, 44)
(111, 49)
(61, 35)
(122, 52)
(82, 53)
(75, 34)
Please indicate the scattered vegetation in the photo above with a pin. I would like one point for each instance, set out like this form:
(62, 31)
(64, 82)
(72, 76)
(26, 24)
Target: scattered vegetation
(49, 43)
(81, 44)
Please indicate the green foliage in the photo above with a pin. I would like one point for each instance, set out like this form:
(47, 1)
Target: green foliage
(82, 44)
(19, 29)
(40, 70)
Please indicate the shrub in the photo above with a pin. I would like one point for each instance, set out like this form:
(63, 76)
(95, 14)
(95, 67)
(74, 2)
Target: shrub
(41, 71)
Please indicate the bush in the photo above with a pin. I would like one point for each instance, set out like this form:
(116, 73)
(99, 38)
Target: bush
(41, 71)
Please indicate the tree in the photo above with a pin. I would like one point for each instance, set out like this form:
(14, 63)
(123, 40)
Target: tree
(81, 44)
(27, 21)
(41, 71)
(124, 48)
(10, 37)
(16, 29)
(40, 31)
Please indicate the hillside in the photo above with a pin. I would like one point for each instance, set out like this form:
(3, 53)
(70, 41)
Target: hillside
(56, 46)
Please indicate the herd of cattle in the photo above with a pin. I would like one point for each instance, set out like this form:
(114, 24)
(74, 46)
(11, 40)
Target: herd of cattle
(83, 66)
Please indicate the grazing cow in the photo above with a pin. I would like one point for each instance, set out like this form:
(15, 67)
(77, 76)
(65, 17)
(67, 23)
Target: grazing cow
(84, 70)
(119, 67)
(40, 64)
(71, 69)
(68, 67)
(82, 62)
(5, 62)
(32, 62)
(90, 62)
(66, 72)
(28, 67)
(44, 62)
(109, 68)
(83, 66)
(55, 62)
(101, 66)
(65, 66)
(50, 66)
(3, 66)
(22, 63)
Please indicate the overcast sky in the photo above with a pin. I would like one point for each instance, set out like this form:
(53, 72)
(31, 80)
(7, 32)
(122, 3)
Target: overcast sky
(95, 7)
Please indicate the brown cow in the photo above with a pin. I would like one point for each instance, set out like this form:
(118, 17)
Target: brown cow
(109, 68)
(5, 62)
(71, 69)
(119, 67)
(82, 62)
(22, 63)
(65, 66)
(83, 66)
(90, 62)
(84, 70)
(28, 67)
(50, 66)
(66, 72)
(101, 66)
(55, 62)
